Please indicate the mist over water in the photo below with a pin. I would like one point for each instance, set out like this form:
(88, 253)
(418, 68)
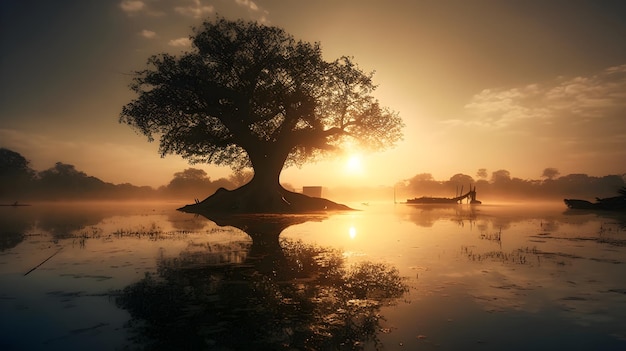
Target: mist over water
(487, 277)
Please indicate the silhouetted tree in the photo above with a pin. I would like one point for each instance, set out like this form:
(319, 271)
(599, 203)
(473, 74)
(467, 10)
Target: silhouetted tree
(194, 181)
(16, 176)
(62, 171)
(423, 183)
(574, 184)
(461, 179)
(607, 186)
(422, 177)
(550, 173)
(249, 95)
(65, 181)
(189, 178)
(500, 176)
(503, 186)
(13, 164)
(240, 177)
(130, 191)
(482, 173)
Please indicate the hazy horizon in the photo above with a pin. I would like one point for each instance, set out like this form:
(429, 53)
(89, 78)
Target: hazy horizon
(348, 168)
(65, 182)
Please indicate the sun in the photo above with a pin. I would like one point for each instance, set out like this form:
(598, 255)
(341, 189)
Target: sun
(354, 164)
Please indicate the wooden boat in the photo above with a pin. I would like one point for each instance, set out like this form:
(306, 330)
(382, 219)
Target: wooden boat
(616, 203)
(446, 200)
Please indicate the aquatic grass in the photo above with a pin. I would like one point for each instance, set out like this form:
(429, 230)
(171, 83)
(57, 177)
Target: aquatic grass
(524, 256)
(521, 256)
(608, 233)
(612, 241)
(81, 237)
(493, 237)
(153, 231)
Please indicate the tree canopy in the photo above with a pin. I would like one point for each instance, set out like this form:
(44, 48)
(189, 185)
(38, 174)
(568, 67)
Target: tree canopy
(15, 174)
(550, 173)
(12, 164)
(251, 95)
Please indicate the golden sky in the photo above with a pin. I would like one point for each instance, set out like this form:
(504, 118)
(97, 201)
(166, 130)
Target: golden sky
(502, 84)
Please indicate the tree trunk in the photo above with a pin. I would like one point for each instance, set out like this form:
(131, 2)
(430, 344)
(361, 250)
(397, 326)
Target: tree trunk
(263, 194)
(267, 165)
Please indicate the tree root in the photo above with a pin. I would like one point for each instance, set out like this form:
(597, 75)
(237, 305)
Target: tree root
(251, 198)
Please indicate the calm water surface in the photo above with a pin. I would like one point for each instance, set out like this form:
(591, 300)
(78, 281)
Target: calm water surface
(135, 276)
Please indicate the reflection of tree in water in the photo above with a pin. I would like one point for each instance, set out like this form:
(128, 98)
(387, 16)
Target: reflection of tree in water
(14, 224)
(504, 216)
(268, 294)
(184, 222)
(618, 217)
(427, 215)
(62, 221)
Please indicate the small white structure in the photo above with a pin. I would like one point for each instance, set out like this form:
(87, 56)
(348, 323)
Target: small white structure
(312, 191)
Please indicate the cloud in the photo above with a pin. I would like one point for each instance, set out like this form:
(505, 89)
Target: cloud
(135, 7)
(147, 34)
(247, 3)
(600, 96)
(255, 11)
(132, 6)
(192, 8)
(501, 108)
(576, 122)
(195, 10)
(591, 96)
(180, 42)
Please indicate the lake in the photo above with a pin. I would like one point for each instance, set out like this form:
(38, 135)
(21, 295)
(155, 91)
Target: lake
(108, 276)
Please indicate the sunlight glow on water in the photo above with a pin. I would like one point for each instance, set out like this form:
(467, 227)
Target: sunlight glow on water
(490, 277)
(352, 232)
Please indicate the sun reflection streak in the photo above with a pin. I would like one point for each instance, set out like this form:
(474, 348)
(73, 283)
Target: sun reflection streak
(352, 232)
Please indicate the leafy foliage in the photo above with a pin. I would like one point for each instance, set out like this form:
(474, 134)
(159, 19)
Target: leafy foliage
(16, 176)
(248, 92)
(550, 173)
(12, 164)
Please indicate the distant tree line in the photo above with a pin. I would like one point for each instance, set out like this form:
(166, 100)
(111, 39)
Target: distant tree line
(501, 185)
(19, 182)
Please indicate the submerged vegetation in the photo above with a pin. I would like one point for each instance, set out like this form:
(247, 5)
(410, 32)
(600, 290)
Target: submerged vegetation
(611, 233)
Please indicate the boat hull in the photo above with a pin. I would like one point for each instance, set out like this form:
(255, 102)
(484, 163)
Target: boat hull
(611, 204)
(431, 200)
